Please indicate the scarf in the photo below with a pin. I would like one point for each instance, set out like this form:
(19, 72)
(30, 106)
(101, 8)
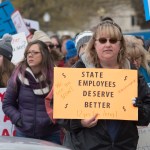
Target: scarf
(38, 85)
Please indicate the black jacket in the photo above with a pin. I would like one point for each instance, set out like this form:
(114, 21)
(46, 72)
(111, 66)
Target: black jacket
(98, 138)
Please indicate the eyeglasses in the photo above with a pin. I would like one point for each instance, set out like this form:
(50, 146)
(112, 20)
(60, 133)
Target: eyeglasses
(52, 46)
(134, 59)
(33, 53)
(111, 40)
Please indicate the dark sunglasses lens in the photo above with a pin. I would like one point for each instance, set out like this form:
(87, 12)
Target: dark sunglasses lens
(58, 46)
(102, 40)
(51, 46)
(113, 40)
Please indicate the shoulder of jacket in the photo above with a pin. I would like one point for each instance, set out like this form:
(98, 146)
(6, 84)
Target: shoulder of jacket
(79, 64)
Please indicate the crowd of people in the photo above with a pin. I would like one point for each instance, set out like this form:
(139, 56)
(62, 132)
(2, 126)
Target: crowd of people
(31, 80)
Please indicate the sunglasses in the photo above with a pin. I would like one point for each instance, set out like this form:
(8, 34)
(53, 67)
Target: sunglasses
(111, 40)
(52, 46)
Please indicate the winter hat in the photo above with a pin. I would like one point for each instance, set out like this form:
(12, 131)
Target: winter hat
(6, 47)
(82, 38)
(40, 35)
(71, 49)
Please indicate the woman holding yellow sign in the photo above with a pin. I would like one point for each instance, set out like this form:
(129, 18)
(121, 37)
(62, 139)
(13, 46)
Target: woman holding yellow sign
(106, 49)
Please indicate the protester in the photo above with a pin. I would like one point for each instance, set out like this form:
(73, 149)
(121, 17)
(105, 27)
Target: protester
(27, 88)
(56, 42)
(106, 49)
(71, 55)
(56, 55)
(81, 42)
(137, 55)
(6, 66)
(64, 39)
(42, 36)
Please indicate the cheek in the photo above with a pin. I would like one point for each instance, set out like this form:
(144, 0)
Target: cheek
(117, 48)
(98, 48)
(40, 59)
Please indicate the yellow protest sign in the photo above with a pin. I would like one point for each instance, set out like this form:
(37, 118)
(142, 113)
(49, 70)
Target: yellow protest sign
(80, 93)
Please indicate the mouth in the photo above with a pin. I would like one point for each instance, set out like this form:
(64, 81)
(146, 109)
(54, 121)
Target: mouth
(108, 50)
(30, 61)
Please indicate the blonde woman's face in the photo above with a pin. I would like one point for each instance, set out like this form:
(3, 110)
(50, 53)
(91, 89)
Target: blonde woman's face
(107, 48)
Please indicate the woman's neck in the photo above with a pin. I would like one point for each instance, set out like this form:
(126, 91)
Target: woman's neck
(36, 71)
(110, 65)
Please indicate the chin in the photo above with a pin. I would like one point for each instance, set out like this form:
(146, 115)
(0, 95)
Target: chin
(107, 57)
(31, 65)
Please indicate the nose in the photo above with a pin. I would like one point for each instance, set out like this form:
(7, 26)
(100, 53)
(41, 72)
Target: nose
(30, 55)
(135, 63)
(108, 43)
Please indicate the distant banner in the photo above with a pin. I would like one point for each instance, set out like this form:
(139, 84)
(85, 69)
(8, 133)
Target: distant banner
(147, 9)
(19, 23)
(6, 127)
(32, 24)
(81, 93)
(19, 44)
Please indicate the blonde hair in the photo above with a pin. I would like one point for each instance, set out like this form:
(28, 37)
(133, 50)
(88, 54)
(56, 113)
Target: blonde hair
(130, 39)
(111, 29)
(135, 50)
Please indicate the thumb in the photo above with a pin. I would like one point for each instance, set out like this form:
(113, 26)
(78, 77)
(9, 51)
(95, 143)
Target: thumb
(93, 118)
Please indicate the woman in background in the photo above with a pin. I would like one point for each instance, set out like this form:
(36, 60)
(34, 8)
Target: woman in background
(6, 66)
(24, 101)
(137, 55)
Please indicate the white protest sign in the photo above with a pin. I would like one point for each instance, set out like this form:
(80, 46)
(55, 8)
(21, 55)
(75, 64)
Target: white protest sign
(6, 127)
(32, 24)
(19, 43)
(19, 23)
